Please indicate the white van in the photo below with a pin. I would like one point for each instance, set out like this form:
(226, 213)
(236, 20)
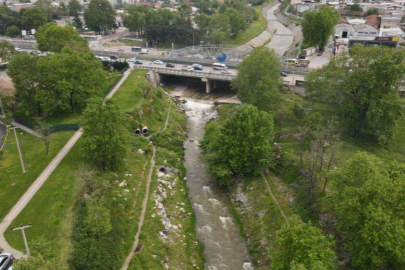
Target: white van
(291, 61)
(219, 66)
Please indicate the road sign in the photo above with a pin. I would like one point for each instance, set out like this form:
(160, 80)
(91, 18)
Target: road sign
(174, 55)
(221, 57)
(24, 33)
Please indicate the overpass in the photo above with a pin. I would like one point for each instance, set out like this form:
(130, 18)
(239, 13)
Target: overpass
(211, 78)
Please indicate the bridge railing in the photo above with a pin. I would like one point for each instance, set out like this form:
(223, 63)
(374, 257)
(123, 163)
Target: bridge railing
(202, 74)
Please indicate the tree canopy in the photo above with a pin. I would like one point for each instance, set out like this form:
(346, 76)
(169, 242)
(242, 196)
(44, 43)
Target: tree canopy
(367, 197)
(32, 18)
(317, 26)
(99, 16)
(259, 79)
(6, 50)
(301, 246)
(74, 7)
(243, 144)
(105, 135)
(362, 89)
(54, 38)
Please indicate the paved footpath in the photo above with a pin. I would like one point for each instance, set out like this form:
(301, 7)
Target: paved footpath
(33, 189)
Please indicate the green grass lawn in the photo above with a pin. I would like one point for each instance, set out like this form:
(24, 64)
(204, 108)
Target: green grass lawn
(254, 29)
(135, 43)
(14, 183)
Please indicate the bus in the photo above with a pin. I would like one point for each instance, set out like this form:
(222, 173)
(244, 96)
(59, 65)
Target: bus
(219, 66)
(136, 49)
(291, 61)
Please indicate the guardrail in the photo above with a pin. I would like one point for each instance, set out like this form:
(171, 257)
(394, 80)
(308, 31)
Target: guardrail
(200, 74)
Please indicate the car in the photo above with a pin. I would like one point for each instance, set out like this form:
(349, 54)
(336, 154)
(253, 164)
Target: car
(120, 50)
(226, 71)
(283, 74)
(114, 58)
(158, 62)
(130, 59)
(137, 62)
(319, 53)
(35, 52)
(187, 68)
(6, 261)
(197, 67)
(18, 49)
(169, 65)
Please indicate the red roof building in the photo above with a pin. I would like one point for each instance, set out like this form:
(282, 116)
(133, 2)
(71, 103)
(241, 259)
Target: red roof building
(373, 20)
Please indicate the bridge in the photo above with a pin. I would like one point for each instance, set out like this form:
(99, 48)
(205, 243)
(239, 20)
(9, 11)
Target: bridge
(210, 78)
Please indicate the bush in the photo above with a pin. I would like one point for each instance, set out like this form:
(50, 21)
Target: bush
(13, 31)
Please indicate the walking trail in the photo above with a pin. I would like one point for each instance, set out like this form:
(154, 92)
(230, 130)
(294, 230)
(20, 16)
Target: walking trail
(33, 189)
(273, 197)
(146, 198)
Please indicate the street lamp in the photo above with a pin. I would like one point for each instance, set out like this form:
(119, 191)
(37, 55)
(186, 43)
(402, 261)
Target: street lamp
(19, 149)
(22, 227)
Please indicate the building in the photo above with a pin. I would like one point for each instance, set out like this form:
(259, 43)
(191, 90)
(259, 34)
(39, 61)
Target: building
(390, 22)
(373, 20)
(18, 7)
(343, 30)
(392, 32)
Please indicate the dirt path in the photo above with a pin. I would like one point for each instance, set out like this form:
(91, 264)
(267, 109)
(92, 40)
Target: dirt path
(274, 198)
(146, 198)
(33, 189)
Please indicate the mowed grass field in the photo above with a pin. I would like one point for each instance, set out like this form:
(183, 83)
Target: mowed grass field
(13, 182)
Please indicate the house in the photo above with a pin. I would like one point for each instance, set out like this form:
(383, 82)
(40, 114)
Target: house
(390, 22)
(344, 30)
(365, 30)
(356, 21)
(373, 20)
(391, 32)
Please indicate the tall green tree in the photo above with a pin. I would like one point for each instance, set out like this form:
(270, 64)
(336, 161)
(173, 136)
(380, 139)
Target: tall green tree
(184, 10)
(259, 79)
(105, 135)
(301, 246)
(7, 50)
(77, 22)
(372, 11)
(6, 18)
(318, 26)
(237, 21)
(68, 80)
(22, 69)
(99, 16)
(13, 31)
(134, 20)
(54, 38)
(367, 198)
(74, 8)
(45, 6)
(63, 9)
(32, 19)
(242, 145)
(45, 130)
(362, 89)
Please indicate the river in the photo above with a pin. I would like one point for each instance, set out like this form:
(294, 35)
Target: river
(224, 248)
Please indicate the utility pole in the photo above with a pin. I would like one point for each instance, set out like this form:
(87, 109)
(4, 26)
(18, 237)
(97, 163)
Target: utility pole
(22, 227)
(1, 107)
(19, 150)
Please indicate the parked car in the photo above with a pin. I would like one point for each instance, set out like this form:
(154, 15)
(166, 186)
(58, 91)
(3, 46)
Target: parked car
(114, 58)
(187, 68)
(169, 65)
(226, 71)
(319, 53)
(6, 261)
(137, 62)
(120, 50)
(283, 74)
(158, 62)
(35, 52)
(18, 49)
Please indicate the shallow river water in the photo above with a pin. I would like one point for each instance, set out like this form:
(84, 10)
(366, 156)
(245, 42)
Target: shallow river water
(223, 246)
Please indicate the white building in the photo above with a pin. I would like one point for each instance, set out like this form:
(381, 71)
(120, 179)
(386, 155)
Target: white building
(391, 32)
(390, 22)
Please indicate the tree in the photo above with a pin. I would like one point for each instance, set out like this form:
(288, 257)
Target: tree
(6, 18)
(237, 21)
(105, 136)
(98, 217)
(77, 22)
(63, 9)
(146, 87)
(367, 199)
(13, 31)
(45, 130)
(32, 18)
(184, 10)
(6, 50)
(54, 38)
(99, 16)
(372, 11)
(302, 246)
(45, 6)
(68, 80)
(134, 20)
(362, 89)
(243, 144)
(22, 69)
(74, 8)
(317, 26)
(221, 23)
(259, 79)
(356, 7)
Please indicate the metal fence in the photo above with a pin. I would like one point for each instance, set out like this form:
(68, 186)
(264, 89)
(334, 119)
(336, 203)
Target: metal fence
(199, 74)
